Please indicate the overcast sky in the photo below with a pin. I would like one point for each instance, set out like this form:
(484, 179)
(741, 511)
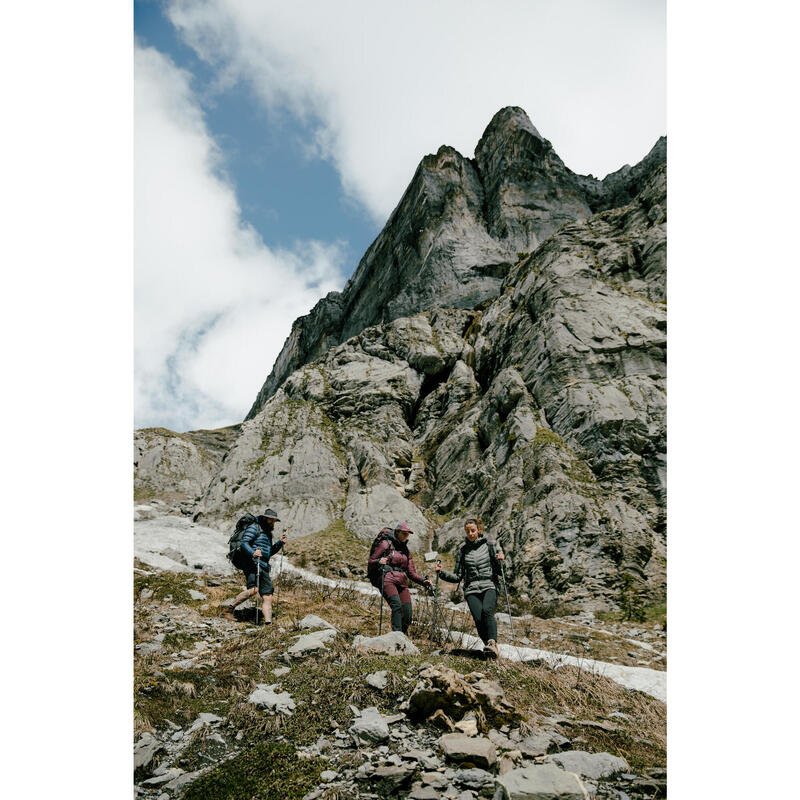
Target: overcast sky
(272, 140)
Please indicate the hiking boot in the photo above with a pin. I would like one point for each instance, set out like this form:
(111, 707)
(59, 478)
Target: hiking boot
(227, 613)
(491, 651)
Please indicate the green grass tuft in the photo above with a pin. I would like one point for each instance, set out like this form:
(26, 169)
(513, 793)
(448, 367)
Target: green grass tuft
(267, 771)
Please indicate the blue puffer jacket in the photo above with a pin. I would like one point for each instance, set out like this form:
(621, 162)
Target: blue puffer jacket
(255, 538)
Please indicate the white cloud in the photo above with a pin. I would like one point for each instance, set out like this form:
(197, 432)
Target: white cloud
(387, 83)
(213, 304)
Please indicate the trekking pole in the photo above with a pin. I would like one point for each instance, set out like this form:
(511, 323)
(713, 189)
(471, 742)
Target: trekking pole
(258, 585)
(277, 580)
(437, 607)
(380, 623)
(508, 603)
(435, 594)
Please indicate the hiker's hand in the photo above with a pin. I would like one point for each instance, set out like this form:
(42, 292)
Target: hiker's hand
(438, 567)
(500, 556)
(428, 585)
(283, 538)
(257, 553)
(384, 560)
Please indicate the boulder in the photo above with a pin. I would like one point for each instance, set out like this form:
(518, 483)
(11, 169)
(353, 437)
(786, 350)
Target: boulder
(369, 727)
(312, 622)
(264, 696)
(204, 720)
(476, 750)
(590, 765)
(421, 792)
(540, 741)
(474, 778)
(394, 643)
(441, 688)
(388, 779)
(311, 642)
(541, 782)
(377, 680)
(145, 750)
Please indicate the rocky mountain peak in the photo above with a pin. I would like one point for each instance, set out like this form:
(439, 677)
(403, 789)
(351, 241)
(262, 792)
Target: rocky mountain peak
(455, 233)
(505, 124)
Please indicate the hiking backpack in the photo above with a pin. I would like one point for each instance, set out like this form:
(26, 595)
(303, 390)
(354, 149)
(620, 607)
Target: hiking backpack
(374, 570)
(235, 554)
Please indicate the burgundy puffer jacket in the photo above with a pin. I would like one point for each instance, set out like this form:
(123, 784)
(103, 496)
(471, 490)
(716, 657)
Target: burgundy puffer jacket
(400, 559)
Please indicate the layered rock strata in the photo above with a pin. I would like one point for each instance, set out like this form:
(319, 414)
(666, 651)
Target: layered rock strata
(456, 232)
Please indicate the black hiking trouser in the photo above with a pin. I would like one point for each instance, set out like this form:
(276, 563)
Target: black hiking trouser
(482, 606)
(395, 590)
(401, 613)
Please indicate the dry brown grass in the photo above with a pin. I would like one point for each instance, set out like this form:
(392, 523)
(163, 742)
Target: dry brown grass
(329, 550)
(323, 685)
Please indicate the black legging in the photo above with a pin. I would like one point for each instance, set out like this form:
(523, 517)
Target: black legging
(482, 608)
(401, 613)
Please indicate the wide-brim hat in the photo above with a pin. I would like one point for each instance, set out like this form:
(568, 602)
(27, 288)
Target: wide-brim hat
(271, 514)
(403, 526)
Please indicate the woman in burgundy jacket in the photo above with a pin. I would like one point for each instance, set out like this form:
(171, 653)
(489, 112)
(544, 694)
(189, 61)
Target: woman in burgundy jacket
(392, 557)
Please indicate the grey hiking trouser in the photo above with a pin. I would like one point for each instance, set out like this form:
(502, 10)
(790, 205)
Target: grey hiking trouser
(482, 606)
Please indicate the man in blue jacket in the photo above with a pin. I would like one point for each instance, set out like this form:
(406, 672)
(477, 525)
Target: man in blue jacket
(257, 547)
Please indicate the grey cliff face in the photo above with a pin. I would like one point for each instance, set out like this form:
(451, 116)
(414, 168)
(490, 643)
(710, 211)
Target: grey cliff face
(456, 232)
(177, 467)
(500, 352)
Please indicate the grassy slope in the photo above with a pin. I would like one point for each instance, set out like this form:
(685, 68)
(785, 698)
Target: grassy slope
(320, 687)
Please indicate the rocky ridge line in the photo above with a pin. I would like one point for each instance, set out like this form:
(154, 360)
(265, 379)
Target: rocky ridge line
(455, 233)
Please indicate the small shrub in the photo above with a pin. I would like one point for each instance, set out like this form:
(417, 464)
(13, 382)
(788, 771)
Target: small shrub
(630, 600)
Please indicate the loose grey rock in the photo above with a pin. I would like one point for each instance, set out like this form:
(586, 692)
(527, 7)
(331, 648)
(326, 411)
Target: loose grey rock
(145, 594)
(541, 782)
(370, 726)
(590, 765)
(144, 753)
(311, 642)
(387, 780)
(378, 680)
(178, 783)
(478, 750)
(312, 621)
(279, 671)
(148, 648)
(540, 741)
(424, 793)
(434, 779)
(195, 595)
(440, 688)
(328, 775)
(394, 643)
(273, 702)
(204, 720)
(473, 778)
(166, 777)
